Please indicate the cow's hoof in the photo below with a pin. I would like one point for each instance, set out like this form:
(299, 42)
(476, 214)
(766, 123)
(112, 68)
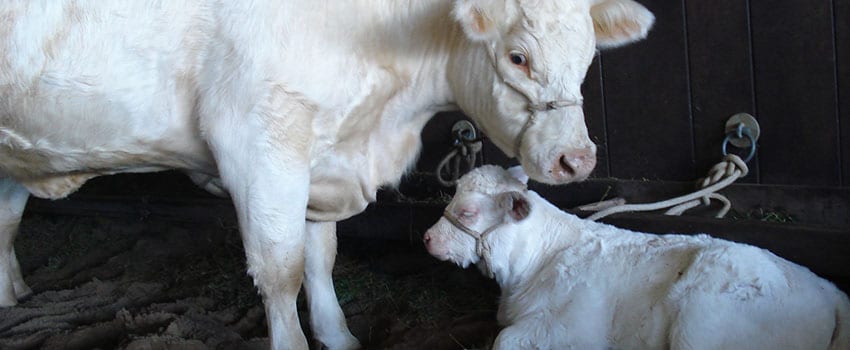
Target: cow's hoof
(348, 342)
(7, 301)
(22, 291)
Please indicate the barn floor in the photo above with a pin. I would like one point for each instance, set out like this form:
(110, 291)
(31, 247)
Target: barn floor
(147, 284)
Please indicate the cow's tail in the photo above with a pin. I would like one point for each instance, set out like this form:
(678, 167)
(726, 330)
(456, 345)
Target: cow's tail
(841, 333)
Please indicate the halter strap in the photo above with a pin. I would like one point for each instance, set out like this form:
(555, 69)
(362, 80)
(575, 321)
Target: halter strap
(482, 248)
(532, 106)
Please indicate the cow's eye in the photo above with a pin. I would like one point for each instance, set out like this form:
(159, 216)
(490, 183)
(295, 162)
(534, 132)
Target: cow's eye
(518, 59)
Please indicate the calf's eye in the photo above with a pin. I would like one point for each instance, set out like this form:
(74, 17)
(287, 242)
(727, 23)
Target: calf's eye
(518, 59)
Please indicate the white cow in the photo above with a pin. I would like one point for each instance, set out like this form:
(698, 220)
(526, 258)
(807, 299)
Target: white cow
(570, 283)
(298, 109)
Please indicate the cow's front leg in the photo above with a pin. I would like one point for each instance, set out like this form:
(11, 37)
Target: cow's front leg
(271, 206)
(326, 316)
(263, 160)
(13, 199)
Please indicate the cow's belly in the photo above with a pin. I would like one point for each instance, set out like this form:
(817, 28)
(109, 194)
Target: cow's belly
(54, 137)
(55, 165)
(106, 92)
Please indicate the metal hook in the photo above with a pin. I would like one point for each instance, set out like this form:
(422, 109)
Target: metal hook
(740, 132)
(463, 131)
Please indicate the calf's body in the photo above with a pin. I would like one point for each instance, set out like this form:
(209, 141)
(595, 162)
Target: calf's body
(570, 283)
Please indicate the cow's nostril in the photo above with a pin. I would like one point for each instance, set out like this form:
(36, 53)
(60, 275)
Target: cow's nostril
(569, 165)
(426, 238)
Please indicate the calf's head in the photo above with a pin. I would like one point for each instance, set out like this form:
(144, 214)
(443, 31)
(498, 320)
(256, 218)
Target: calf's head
(487, 198)
(520, 70)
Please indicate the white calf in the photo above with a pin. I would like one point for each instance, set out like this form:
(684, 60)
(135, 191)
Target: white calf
(569, 283)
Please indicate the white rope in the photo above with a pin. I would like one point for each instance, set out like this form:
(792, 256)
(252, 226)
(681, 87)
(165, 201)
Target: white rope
(719, 177)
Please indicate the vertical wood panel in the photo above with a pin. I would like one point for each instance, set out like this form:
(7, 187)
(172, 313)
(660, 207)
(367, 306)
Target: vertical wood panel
(841, 18)
(646, 101)
(493, 155)
(795, 91)
(594, 116)
(721, 74)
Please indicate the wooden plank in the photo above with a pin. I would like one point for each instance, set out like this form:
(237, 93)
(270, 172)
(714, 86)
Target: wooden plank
(594, 116)
(720, 75)
(647, 103)
(805, 205)
(794, 66)
(821, 249)
(841, 15)
(170, 183)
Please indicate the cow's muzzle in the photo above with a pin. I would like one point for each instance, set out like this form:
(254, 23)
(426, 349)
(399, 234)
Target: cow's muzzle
(574, 165)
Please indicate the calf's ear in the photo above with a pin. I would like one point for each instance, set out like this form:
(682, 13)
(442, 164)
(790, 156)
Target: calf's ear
(478, 19)
(518, 173)
(515, 205)
(619, 22)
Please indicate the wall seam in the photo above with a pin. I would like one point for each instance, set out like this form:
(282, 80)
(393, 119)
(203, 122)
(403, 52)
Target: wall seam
(837, 96)
(753, 83)
(689, 87)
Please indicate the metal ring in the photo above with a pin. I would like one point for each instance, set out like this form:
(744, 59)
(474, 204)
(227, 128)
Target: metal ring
(740, 132)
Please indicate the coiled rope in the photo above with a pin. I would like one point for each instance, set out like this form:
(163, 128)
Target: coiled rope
(721, 175)
(465, 150)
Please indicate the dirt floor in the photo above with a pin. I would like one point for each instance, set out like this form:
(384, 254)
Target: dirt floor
(147, 284)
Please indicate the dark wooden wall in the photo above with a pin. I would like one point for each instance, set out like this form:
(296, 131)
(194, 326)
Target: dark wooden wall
(657, 109)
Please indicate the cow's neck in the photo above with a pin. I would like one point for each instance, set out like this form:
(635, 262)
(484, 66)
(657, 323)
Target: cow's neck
(402, 83)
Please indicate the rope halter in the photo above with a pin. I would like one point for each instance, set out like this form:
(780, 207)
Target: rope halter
(482, 248)
(533, 106)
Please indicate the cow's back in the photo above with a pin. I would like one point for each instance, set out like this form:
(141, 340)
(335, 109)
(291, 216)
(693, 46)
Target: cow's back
(99, 87)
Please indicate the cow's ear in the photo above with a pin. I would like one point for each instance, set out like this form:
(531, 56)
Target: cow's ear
(515, 204)
(619, 22)
(477, 19)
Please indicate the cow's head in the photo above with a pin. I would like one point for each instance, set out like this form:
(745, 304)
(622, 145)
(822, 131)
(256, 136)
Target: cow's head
(519, 75)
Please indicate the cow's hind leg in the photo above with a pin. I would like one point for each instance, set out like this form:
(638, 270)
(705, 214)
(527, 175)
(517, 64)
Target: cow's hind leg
(13, 198)
(326, 317)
